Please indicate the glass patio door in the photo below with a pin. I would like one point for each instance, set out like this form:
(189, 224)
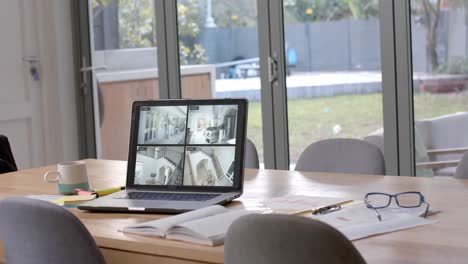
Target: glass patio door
(124, 67)
(219, 56)
(311, 69)
(440, 77)
(333, 72)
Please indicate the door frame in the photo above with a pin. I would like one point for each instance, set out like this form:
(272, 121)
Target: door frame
(85, 97)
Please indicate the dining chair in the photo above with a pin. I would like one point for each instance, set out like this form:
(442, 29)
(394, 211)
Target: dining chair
(342, 155)
(276, 239)
(7, 161)
(462, 169)
(41, 232)
(251, 155)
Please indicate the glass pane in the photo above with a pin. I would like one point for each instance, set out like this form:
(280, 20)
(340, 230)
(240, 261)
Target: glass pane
(440, 74)
(334, 79)
(409, 199)
(125, 57)
(218, 45)
(378, 200)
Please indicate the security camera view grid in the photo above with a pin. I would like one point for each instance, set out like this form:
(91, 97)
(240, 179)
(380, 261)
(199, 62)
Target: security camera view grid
(197, 152)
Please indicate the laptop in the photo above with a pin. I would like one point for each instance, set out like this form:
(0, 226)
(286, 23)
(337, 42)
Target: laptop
(183, 155)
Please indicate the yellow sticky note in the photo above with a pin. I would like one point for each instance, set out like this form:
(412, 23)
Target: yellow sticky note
(74, 199)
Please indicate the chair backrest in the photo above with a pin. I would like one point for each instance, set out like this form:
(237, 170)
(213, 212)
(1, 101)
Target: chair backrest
(40, 232)
(7, 161)
(462, 168)
(443, 132)
(342, 155)
(276, 239)
(251, 155)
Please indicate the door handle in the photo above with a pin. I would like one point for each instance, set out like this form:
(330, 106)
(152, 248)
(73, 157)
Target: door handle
(272, 70)
(93, 68)
(30, 59)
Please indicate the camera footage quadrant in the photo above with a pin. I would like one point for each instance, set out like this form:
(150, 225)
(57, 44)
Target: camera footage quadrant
(209, 166)
(159, 165)
(212, 124)
(162, 125)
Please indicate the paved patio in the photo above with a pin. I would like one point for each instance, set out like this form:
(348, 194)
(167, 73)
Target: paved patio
(320, 84)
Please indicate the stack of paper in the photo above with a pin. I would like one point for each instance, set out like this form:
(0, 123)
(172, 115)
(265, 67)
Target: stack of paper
(354, 219)
(358, 221)
(63, 200)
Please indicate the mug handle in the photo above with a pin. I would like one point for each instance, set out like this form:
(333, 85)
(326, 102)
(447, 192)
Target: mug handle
(56, 179)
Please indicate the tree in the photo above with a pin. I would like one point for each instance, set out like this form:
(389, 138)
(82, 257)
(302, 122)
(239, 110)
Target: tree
(137, 24)
(189, 21)
(239, 13)
(99, 6)
(363, 9)
(297, 11)
(430, 12)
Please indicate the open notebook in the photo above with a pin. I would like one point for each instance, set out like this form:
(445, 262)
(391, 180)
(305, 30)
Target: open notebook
(206, 226)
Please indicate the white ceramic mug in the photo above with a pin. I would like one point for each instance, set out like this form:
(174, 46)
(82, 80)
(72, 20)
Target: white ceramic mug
(69, 176)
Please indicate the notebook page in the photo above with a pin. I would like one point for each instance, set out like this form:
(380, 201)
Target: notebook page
(161, 226)
(210, 230)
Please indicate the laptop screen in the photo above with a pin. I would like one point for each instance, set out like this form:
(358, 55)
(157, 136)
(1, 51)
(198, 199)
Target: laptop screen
(186, 145)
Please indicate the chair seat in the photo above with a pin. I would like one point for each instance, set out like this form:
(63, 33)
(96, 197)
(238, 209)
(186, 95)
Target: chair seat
(449, 171)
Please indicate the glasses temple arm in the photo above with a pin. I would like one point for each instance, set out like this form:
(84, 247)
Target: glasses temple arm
(427, 210)
(373, 209)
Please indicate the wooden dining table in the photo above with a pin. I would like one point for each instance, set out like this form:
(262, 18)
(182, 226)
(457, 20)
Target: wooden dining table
(445, 241)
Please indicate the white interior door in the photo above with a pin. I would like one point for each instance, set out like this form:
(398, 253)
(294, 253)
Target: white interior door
(20, 95)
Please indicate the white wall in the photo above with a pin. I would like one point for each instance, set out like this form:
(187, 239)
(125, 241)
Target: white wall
(58, 85)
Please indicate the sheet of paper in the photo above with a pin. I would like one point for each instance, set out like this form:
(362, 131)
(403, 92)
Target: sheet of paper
(44, 197)
(358, 221)
(294, 204)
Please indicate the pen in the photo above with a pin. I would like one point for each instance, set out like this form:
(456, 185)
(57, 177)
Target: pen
(99, 192)
(303, 212)
(107, 191)
(326, 209)
(330, 208)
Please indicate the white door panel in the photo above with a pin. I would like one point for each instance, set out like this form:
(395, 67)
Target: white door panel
(19, 134)
(20, 95)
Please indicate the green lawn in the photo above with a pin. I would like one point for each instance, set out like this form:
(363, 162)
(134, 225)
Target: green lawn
(357, 116)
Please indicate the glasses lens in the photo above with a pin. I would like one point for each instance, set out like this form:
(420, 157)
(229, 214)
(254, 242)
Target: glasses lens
(409, 199)
(378, 200)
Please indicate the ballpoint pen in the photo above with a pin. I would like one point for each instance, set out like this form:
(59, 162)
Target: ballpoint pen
(326, 209)
(312, 211)
(99, 192)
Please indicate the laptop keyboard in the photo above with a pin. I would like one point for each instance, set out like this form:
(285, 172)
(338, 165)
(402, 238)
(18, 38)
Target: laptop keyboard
(198, 197)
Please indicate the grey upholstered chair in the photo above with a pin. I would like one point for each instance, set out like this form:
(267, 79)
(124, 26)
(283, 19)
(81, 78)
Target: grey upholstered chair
(342, 155)
(7, 161)
(251, 155)
(462, 169)
(275, 239)
(40, 232)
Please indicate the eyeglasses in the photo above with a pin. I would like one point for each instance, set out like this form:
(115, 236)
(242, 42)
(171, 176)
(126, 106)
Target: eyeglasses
(377, 200)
